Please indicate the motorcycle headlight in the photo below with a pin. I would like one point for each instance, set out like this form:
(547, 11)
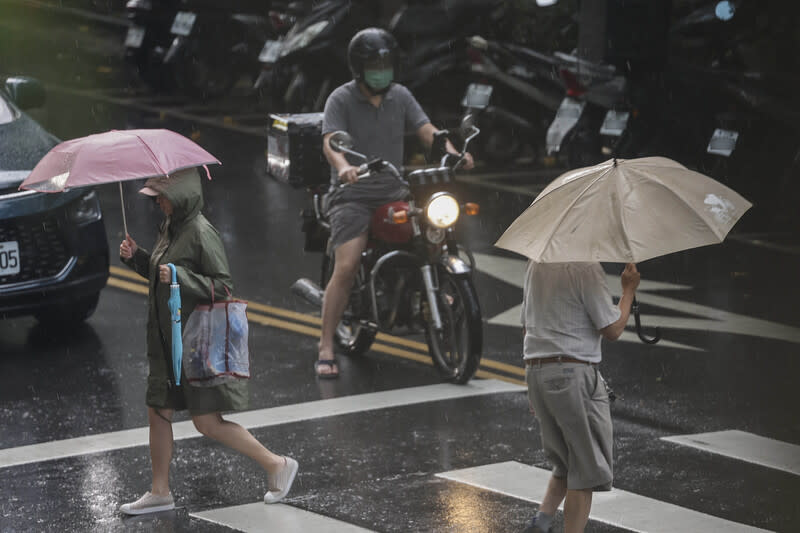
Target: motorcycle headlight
(85, 209)
(302, 38)
(442, 210)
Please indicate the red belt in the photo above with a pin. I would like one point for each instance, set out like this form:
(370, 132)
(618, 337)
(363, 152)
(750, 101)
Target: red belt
(556, 359)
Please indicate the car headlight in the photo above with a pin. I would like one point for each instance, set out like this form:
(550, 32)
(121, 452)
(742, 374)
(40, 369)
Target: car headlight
(85, 209)
(302, 38)
(442, 210)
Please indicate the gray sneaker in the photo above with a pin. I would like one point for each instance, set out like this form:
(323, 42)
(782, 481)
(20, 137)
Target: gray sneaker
(279, 487)
(149, 503)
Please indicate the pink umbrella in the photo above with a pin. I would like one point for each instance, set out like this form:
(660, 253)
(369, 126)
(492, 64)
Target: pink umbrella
(115, 156)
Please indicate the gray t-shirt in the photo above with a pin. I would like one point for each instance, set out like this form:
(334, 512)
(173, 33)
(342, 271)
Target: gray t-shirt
(376, 131)
(564, 307)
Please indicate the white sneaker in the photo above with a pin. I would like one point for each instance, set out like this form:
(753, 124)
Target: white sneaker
(149, 503)
(279, 487)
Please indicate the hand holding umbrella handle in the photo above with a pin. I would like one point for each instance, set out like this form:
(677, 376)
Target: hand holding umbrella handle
(644, 339)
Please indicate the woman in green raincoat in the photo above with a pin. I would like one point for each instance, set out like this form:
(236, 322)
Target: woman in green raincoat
(189, 241)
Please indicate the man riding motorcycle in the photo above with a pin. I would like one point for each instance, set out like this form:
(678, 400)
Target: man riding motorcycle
(376, 112)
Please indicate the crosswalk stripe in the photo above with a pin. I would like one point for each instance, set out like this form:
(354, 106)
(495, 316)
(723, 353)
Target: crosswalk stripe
(258, 517)
(617, 507)
(272, 416)
(746, 447)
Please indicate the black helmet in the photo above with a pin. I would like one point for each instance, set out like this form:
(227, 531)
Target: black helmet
(371, 49)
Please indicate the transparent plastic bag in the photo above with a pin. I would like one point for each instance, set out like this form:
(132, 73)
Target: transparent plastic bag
(215, 344)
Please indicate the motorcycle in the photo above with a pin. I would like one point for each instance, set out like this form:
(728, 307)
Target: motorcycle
(213, 46)
(413, 274)
(148, 38)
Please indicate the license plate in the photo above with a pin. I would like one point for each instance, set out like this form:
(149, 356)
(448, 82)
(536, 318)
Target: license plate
(615, 123)
(9, 258)
(182, 25)
(477, 96)
(722, 142)
(269, 54)
(568, 114)
(134, 37)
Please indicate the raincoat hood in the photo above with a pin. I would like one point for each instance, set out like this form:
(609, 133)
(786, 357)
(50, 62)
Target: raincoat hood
(183, 190)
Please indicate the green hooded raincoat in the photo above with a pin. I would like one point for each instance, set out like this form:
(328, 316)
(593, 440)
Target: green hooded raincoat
(189, 241)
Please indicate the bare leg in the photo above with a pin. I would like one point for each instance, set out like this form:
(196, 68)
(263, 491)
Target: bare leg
(554, 495)
(238, 438)
(160, 448)
(576, 510)
(345, 268)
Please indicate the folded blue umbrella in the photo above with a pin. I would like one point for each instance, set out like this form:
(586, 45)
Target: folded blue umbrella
(175, 314)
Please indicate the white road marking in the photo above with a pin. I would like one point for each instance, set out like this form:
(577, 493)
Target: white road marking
(617, 508)
(273, 416)
(257, 517)
(511, 317)
(746, 447)
(512, 271)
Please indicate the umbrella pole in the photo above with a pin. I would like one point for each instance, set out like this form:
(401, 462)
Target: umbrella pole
(122, 202)
(642, 337)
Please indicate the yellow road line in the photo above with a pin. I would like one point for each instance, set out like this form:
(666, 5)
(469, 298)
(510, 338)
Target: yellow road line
(269, 321)
(505, 367)
(127, 285)
(126, 273)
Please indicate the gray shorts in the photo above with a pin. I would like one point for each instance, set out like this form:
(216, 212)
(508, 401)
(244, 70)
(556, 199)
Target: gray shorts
(571, 404)
(350, 207)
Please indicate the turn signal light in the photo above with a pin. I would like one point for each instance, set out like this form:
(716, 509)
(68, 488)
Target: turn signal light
(471, 209)
(400, 217)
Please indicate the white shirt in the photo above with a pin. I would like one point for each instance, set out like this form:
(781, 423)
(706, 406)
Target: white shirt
(564, 307)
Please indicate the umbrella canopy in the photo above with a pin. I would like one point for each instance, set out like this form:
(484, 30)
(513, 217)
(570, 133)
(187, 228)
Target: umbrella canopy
(624, 211)
(115, 156)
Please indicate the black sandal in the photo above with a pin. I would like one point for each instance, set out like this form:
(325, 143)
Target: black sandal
(330, 364)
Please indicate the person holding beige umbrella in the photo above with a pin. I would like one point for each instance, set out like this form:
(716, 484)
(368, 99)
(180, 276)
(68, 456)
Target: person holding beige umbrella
(623, 211)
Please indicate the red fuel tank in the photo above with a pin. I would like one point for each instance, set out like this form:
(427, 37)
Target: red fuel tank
(384, 229)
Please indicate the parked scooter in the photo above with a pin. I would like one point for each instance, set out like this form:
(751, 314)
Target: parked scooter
(432, 49)
(214, 45)
(412, 274)
(301, 68)
(514, 94)
(148, 38)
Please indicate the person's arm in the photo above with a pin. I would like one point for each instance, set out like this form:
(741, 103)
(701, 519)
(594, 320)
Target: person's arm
(425, 134)
(347, 172)
(135, 257)
(630, 281)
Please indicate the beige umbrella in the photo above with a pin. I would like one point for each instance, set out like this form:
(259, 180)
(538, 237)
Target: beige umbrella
(624, 211)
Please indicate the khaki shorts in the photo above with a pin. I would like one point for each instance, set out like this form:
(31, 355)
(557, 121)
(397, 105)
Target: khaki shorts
(571, 404)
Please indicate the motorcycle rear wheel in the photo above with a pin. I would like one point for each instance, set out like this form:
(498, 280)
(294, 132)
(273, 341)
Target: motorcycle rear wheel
(351, 338)
(456, 350)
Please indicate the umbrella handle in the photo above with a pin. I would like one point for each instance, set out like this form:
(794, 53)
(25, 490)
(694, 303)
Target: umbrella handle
(642, 337)
(174, 273)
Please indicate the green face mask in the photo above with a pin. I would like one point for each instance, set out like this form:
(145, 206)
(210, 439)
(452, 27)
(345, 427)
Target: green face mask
(378, 80)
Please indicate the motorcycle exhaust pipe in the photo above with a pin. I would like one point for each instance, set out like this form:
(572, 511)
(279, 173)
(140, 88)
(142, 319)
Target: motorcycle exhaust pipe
(309, 291)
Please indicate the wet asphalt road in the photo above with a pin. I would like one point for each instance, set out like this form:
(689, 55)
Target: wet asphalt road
(729, 311)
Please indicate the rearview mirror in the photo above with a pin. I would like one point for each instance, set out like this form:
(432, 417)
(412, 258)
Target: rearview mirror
(25, 92)
(467, 123)
(340, 141)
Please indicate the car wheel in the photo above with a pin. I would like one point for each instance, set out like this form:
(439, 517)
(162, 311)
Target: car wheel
(69, 314)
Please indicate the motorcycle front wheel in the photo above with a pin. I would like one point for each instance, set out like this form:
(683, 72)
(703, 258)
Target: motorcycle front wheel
(456, 349)
(351, 337)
